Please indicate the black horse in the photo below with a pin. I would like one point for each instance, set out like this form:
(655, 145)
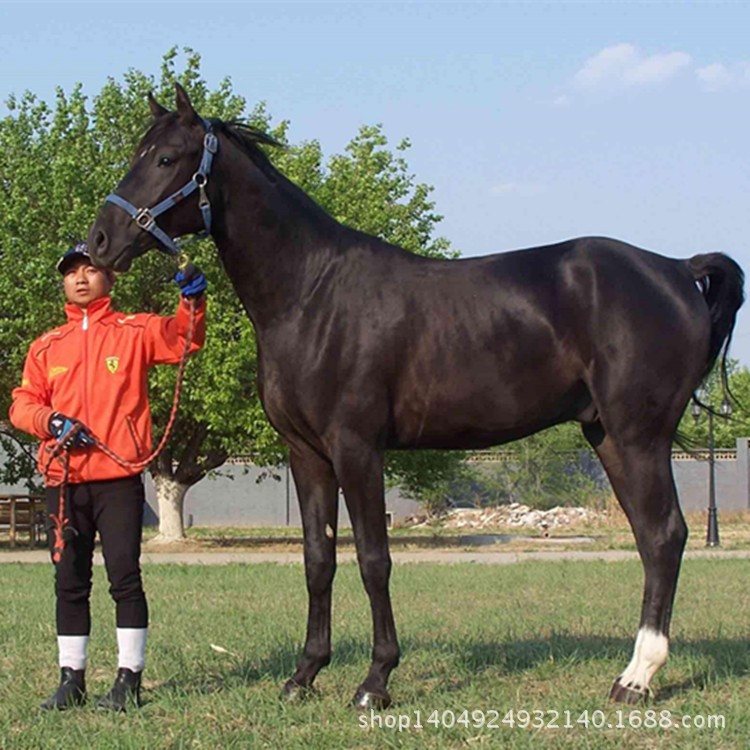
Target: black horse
(364, 347)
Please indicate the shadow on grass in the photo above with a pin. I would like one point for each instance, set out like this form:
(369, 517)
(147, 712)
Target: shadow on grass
(719, 659)
(278, 666)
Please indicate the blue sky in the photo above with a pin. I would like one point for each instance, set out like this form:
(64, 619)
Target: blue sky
(535, 122)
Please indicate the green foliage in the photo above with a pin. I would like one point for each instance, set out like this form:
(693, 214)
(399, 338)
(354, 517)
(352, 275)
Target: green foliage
(58, 162)
(554, 467)
(370, 189)
(428, 476)
(19, 456)
(726, 430)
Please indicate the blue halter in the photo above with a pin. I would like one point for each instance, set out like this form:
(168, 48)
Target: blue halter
(145, 218)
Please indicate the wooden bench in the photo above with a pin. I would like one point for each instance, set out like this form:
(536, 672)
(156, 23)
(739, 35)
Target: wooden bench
(23, 513)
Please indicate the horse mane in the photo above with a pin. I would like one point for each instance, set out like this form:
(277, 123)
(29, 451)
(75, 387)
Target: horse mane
(248, 138)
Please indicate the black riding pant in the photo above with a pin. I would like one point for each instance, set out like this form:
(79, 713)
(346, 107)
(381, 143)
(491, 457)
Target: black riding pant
(114, 508)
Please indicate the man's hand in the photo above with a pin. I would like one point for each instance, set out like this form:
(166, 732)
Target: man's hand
(191, 281)
(69, 432)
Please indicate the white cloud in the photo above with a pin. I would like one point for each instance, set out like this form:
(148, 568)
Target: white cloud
(656, 69)
(717, 76)
(604, 65)
(625, 65)
(714, 77)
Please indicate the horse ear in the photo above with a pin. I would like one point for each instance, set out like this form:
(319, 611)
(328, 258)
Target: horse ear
(156, 109)
(184, 108)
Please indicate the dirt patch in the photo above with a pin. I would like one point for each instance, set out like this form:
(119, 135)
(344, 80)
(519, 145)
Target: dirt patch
(516, 515)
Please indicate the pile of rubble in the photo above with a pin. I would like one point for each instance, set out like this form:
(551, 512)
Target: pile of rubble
(516, 515)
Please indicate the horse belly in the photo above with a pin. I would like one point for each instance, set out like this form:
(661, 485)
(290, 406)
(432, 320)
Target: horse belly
(481, 404)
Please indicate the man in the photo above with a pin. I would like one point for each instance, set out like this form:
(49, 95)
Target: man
(83, 381)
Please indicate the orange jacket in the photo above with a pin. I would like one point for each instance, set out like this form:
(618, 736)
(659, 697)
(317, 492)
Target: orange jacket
(95, 369)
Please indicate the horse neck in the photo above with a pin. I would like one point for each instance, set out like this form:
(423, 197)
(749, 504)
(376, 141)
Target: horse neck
(273, 240)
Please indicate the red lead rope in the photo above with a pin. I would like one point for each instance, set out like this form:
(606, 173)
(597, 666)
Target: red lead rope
(62, 453)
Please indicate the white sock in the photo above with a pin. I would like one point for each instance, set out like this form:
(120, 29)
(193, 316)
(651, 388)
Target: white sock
(71, 651)
(132, 645)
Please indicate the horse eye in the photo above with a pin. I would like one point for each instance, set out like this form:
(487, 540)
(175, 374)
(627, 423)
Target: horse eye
(165, 161)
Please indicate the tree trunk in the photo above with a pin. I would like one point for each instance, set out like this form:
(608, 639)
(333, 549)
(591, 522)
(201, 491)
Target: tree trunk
(171, 481)
(170, 495)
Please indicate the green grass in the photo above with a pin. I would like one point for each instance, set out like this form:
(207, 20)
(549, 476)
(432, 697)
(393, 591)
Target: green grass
(534, 636)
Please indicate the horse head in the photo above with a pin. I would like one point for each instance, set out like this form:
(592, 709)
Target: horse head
(167, 180)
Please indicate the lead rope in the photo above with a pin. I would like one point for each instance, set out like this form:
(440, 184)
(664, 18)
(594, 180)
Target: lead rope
(60, 522)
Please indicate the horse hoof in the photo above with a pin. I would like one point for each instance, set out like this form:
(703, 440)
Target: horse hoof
(293, 692)
(366, 700)
(622, 694)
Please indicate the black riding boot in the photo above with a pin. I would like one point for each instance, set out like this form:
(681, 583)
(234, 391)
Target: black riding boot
(126, 691)
(71, 692)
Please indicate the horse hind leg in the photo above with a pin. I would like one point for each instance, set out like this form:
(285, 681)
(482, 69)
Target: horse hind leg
(641, 476)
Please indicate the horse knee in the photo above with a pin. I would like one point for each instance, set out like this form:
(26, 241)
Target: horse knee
(319, 574)
(376, 571)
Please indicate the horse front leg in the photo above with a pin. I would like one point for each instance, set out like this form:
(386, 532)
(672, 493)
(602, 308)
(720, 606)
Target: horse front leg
(360, 470)
(317, 490)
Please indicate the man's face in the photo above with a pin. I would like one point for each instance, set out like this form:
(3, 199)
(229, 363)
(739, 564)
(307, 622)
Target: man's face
(83, 283)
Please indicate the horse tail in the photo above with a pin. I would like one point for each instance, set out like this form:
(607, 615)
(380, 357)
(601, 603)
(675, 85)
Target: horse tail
(721, 282)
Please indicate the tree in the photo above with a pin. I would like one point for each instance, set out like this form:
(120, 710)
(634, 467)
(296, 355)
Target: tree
(370, 188)
(20, 459)
(550, 468)
(57, 163)
(712, 393)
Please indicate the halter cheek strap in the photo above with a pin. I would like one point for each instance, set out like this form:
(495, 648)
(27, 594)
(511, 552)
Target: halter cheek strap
(145, 218)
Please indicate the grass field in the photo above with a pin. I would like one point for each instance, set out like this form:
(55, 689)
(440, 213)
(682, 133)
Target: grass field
(535, 636)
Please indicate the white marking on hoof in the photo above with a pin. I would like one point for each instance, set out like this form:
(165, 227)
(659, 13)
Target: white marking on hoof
(649, 655)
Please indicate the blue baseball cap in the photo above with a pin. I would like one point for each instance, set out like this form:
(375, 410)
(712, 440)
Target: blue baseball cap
(79, 251)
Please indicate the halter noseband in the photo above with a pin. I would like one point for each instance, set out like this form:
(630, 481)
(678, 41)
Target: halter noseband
(145, 218)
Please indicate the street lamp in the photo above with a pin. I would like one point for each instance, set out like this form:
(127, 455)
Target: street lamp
(712, 532)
